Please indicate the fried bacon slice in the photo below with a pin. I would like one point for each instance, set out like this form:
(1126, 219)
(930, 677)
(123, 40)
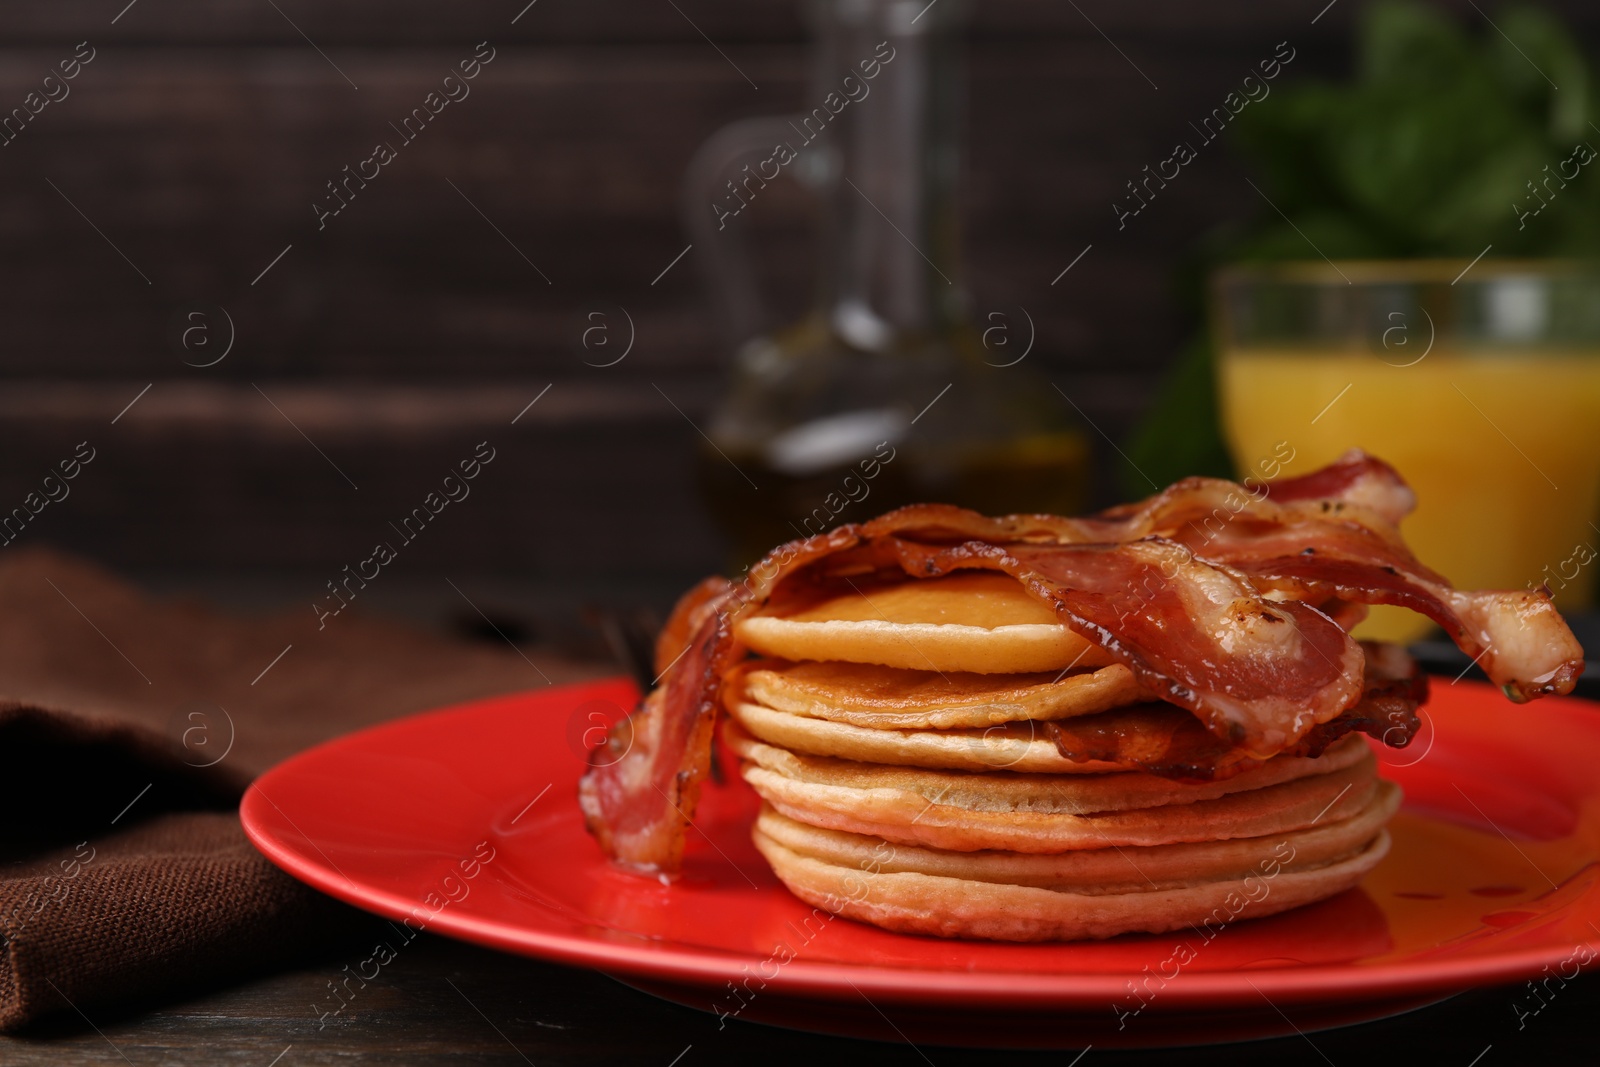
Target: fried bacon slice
(1166, 741)
(1345, 546)
(644, 779)
(1257, 673)
(1211, 593)
(643, 782)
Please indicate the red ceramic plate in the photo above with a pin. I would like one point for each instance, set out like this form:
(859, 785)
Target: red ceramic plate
(465, 822)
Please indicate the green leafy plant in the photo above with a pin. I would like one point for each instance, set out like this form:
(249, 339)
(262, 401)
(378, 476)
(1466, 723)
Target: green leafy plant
(1440, 145)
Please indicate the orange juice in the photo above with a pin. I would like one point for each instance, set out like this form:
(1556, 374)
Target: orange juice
(1503, 451)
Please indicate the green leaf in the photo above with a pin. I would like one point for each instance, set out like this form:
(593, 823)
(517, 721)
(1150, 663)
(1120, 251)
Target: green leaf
(1409, 45)
(1539, 62)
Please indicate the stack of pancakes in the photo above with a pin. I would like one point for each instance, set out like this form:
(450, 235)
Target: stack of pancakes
(895, 735)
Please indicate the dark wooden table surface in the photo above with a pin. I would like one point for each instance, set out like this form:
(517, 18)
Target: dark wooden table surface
(449, 1003)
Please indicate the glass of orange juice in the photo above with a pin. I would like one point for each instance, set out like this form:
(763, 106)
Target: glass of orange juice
(1479, 382)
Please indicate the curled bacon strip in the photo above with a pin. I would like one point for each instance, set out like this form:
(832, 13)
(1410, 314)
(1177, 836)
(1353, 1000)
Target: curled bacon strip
(1163, 740)
(644, 780)
(643, 783)
(1345, 546)
(1356, 478)
(1209, 592)
(1258, 674)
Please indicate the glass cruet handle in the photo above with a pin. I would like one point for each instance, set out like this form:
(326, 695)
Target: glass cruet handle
(714, 189)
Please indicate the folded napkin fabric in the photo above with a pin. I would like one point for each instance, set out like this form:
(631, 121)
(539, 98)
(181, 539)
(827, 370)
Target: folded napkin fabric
(127, 873)
(129, 728)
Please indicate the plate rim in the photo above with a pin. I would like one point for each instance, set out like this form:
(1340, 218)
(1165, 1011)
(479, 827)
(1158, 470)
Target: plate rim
(709, 967)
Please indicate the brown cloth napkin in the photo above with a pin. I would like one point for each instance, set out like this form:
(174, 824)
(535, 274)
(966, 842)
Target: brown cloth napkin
(124, 873)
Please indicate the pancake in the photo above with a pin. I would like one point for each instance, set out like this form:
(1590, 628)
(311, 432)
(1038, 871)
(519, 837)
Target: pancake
(877, 697)
(981, 623)
(1003, 791)
(913, 902)
(1093, 871)
(1018, 746)
(902, 737)
(953, 822)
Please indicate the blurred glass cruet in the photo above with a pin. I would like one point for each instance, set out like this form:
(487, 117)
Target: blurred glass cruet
(886, 392)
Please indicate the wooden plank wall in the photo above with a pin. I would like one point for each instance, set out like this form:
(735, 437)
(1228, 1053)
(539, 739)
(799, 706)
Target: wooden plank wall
(200, 134)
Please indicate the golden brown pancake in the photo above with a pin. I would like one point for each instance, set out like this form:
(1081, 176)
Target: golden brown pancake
(1092, 870)
(971, 819)
(1017, 746)
(982, 623)
(913, 902)
(1084, 794)
(877, 697)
